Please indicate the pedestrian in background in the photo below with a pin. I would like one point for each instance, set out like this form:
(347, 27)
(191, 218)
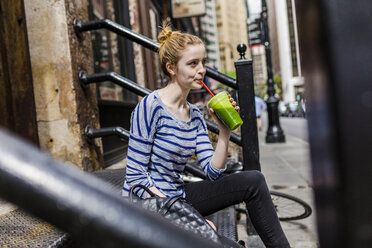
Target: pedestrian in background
(260, 106)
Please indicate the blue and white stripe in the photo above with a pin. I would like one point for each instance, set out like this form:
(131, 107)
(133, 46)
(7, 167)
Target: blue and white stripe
(160, 145)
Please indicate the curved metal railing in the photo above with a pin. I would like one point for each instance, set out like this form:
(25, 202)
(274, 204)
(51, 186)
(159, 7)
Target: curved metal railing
(80, 27)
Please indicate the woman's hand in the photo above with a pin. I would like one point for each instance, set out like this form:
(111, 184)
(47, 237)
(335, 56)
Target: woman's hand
(212, 225)
(155, 191)
(237, 108)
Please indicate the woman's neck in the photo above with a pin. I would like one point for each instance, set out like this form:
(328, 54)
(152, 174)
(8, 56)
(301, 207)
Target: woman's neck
(174, 95)
(175, 99)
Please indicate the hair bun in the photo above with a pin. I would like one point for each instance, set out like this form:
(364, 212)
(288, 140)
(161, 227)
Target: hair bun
(165, 33)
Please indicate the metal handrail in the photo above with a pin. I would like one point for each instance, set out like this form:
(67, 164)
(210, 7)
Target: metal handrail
(124, 82)
(222, 78)
(80, 27)
(92, 133)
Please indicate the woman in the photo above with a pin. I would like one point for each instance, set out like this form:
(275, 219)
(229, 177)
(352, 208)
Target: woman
(166, 131)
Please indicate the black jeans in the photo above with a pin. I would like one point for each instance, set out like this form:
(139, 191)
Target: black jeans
(249, 187)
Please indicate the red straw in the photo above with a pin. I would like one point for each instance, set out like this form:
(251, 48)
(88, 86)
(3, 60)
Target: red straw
(206, 87)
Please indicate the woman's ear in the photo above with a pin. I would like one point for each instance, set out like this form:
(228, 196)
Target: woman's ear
(170, 68)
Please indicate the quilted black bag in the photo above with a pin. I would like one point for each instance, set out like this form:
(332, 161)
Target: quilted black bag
(178, 211)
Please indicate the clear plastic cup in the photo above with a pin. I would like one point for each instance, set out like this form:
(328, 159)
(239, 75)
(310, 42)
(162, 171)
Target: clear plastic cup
(225, 111)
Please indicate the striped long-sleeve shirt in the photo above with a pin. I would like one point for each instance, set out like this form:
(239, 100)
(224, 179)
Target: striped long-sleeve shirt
(160, 145)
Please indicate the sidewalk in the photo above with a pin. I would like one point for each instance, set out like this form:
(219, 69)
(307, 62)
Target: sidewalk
(286, 167)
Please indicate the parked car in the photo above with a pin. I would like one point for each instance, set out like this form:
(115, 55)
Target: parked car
(283, 110)
(296, 109)
(291, 109)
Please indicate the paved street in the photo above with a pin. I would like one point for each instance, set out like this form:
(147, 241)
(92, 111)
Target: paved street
(296, 127)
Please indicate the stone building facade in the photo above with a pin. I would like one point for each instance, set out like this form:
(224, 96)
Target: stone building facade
(41, 61)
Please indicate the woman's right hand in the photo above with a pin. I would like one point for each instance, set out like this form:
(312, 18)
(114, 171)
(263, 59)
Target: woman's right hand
(156, 192)
(211, 224)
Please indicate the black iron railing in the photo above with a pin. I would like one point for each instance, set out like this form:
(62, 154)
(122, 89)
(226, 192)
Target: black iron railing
(92, 133)
(128, 84)
(80, 27)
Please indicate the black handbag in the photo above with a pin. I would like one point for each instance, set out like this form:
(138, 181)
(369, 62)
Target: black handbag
(178, 211)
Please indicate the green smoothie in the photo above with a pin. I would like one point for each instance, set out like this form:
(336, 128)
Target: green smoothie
(225, 111)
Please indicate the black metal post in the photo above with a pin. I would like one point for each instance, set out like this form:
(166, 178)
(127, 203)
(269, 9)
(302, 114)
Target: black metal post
(335, 44)
(274, 132)
(244, 78)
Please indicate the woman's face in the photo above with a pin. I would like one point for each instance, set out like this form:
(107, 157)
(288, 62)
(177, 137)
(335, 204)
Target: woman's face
(190, 68)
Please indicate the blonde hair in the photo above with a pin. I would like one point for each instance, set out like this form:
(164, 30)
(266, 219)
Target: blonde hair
(172, 43)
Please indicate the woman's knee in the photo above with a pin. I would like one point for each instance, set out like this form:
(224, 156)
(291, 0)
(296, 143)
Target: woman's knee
(256, 187)
(255, 181)
(247, 178)
(254, 176)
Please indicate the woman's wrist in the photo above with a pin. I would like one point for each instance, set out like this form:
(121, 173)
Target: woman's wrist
(224, 132)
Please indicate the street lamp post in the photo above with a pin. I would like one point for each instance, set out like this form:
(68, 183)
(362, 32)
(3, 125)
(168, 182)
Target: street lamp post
(274, 132)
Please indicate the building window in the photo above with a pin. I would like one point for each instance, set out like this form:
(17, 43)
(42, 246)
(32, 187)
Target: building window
(292, 39)
(104, 56)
